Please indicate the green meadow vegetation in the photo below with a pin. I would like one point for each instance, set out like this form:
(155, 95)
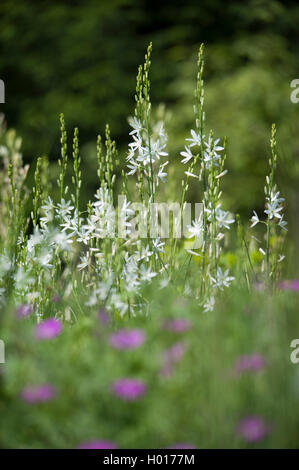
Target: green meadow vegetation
(113, 339)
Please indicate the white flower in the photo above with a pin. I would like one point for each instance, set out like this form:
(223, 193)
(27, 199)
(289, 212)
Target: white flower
(45, 258)
(35, 239)
(273, 206)
(104, 288)
(48, 205)
(157, 149)
(3, 151)
(22, 279)
(164, 283)
(145, 254)
(210, 155)
(134, 146)
(118, 303)
(48, 211)
(5, 264)
(146, 274)
(254, 219)
(93, 299)
(124, 226)
(162, 174)
(195, 139)
(222, 279)
(209, 304)
(61, 239)
(83, 236)
(275, 198)
(196, 229)
(157, 244)
(136, 125)
(224, 219)
(273, 210)
(84, 261)
(283, 223)
(64, 208)
(187, 154)
(133, 167)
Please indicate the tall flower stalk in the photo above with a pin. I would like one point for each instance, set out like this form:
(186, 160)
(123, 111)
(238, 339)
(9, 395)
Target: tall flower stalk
(274, 219)
(64, 158)
(77, 175)
(205, 159)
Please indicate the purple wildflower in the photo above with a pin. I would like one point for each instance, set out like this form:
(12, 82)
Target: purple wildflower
(292, 285)
(174, 353)
(103, 316)
(98, 445)
(259, 286)
(171, 356)
(38, 393)
(128, 389)
(177, 325)
(24, 310)
(56, 298)
(127, 339)
(252, 363)
(252, 429)
(48, 329)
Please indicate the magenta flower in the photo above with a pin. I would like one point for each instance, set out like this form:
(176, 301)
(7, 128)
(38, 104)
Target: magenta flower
(252, 429)
(252, 363)
(98, 445)
(177, 325)
(56, 298)
(24, 310)
(38, 393)
(292, 285)
(48, 329)
(183, 445)
(128, 389)
(170, 357)
(103, 316)
(174, 353)
(259, 286)
(127, 339)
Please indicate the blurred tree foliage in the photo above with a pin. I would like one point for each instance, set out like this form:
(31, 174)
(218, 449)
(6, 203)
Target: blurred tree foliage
(81, 58)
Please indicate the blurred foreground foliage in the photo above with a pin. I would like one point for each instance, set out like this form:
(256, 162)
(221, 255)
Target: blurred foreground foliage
(201, 402)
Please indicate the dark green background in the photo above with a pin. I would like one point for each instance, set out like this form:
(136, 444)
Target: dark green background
(81, 58)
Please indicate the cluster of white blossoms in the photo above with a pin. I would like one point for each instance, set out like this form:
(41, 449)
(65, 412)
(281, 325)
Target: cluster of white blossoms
(113, 262)
(209, 148)
(113, 270)
(146, 150)
(207, 229)
(273, 211)
(222, 279)
(274, 218)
